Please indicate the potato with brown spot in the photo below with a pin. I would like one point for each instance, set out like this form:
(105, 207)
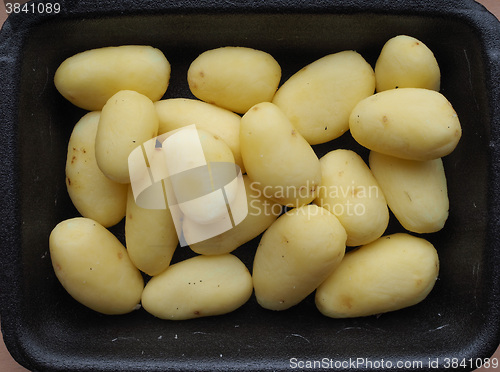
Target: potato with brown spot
(278, 160)
(406, 62)
(296, 253)
(128, 119)
(416, 191)
(408, 123)
(350, 191)
(88, 79)
(150, 237)
(93, 194)
(94, 267)
(391, 273)
(319, 98)
(235, 78)
(198, 287)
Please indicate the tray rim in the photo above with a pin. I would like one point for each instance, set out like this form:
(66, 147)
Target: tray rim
(474, 14)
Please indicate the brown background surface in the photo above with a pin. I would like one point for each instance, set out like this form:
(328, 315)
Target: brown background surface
(8, 364)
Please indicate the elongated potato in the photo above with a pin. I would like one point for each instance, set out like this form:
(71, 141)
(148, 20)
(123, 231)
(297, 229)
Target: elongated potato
(150, 237)
(127, 120)
(408, 123)
(175, 113)
(262, 212)
(296, 254)
(391, 273)
(277, 158)
(319, 98)
(235, 78)
(200, 165)
(94, 267)
(406, 62)
(198, 287)
(349, 191)
(93, 194)
(416, 191)
(88, 79)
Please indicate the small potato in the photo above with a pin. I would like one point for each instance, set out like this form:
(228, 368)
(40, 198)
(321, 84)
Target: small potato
(349, 191)
(416, 191)
(262, 212)
(295, 255)
(200, 164)
(93, 194)
(319, 98)
(408, 123)
(406, 62)
(198, 287)
(277, 158)
(94, 267)
(127, 120)
(150, 237)
(235, 78)
(391, 273)
(175, 113)
(90, 78)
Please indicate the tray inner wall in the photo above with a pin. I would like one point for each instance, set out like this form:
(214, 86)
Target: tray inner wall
(55, 327)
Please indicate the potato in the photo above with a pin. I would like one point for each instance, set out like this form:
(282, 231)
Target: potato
(406, 62)
(349, 191)
(198, 287)
(319, 98)
(408, 123)
(200, 166)
(416, 191)
(127, 120)
(262, 212)
(391, 273)
(295, 255)
(175, 113)
(277, 158)
(235, 78)
(150, 237)
(94, 267)
(93, 194)
(89, 79)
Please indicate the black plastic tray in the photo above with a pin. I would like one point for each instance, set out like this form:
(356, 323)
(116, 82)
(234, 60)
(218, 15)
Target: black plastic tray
(45, 329)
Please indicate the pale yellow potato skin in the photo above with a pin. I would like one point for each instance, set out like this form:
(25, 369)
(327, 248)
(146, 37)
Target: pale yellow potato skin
(235, 78)
(88, 79)
(295, 255)
(406, 62)
(93, 194)
(349, 191)
(127, 120)
(194, 185)
(391, 273)
(175, 113)
(408, 123)
(214, 147)
(319, 98)
(416, 191)
(200, 286)
(94, 267)
(262, 212)
(277, 157)
(150, 237)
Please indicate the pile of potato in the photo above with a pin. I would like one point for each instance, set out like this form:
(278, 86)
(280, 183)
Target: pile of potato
(308, 210)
